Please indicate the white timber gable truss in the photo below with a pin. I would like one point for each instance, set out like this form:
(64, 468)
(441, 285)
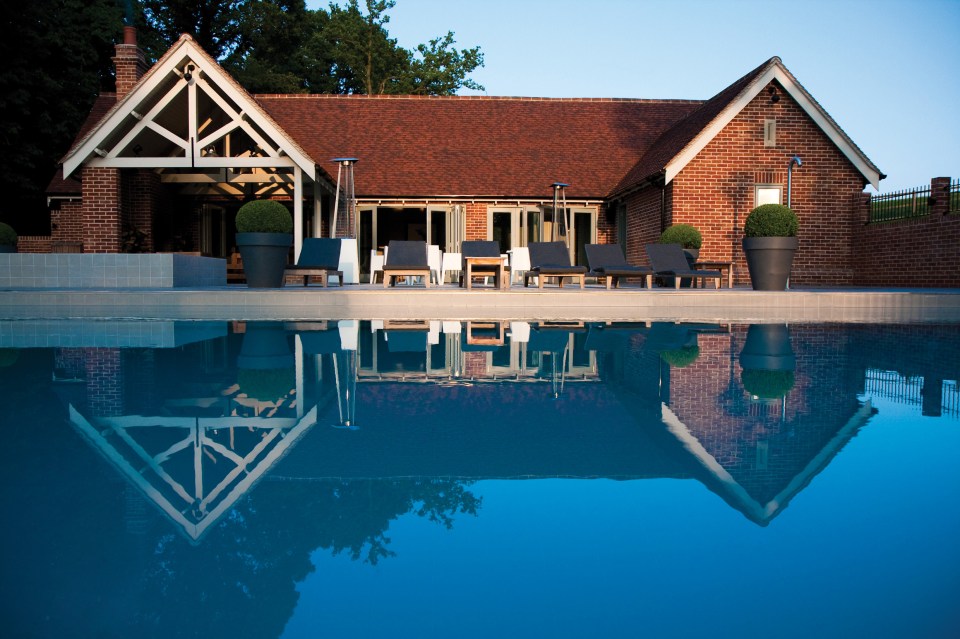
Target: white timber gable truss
(192, 123)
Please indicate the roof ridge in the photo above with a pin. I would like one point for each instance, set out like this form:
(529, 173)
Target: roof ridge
(356, 96)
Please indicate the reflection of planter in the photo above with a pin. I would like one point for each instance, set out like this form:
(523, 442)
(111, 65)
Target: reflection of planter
(769, 260)
(767, 361)
(265, 346)
(767, 384)
(264, 257)
(768, 348)
(266, 384)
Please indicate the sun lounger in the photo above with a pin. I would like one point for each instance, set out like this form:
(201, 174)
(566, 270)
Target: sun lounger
(668, 260)
(550, 259)
(607, 261)
(319, 257)
(406, 258)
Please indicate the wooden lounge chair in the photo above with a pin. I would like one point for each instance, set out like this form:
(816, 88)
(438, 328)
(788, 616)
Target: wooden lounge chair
(607, 261)
(319, 257)
(550, 259)
(406, 258)
(668, 260)
(480, 248)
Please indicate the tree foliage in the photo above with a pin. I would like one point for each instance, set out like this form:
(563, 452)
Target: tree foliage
(57, 59)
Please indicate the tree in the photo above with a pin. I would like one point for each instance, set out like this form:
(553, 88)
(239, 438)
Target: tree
(56, 57)
(367, 60)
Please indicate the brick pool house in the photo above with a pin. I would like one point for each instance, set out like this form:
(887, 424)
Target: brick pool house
(163, 164)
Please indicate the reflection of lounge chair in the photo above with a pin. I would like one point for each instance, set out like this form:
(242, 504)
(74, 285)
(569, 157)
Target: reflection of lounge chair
(319, 257)
(613, 337)
(480, 248)
(607, 261)
(550, 259)
(668, 260)
(406, 258)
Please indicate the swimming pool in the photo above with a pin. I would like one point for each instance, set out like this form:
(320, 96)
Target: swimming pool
(435, 479)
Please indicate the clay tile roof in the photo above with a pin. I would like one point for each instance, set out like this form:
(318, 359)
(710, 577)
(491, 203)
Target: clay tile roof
(674, 140)
(411, 146)
(71, 186)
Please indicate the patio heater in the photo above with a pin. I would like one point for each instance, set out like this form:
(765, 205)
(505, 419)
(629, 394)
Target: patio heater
(559, 200)
(794, 160)
(345, 190)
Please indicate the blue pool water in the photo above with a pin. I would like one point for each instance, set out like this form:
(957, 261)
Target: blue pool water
(454, 479)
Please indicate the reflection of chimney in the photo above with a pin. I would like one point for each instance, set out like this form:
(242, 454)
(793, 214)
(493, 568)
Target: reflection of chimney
(129, 62)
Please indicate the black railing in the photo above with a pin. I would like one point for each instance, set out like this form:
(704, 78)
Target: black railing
(955, 196)
(901, 205)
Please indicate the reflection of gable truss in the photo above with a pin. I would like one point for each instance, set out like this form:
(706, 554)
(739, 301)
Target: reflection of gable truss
(192, 502)
(737, 494)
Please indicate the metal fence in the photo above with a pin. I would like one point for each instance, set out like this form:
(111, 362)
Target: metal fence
(900, 205)
(895, 387)
(955, 196)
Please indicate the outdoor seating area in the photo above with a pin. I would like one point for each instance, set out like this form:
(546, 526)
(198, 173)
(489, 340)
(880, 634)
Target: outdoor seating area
(320, 257)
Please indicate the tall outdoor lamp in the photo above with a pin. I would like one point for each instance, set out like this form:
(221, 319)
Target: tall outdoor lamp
(794, 160)
(559, 199)
(344, 171)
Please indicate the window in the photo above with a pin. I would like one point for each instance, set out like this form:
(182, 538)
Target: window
(769, 133)
(768, 194)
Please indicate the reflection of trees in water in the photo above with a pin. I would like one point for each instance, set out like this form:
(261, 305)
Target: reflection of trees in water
(241, 579)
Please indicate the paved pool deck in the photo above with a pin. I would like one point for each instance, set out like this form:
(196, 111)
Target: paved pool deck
(595, 303)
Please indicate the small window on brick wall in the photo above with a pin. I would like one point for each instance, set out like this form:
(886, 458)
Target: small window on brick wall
(768, 194)
(769, 133)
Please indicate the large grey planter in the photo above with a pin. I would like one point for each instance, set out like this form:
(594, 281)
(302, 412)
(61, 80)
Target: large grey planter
(769, 260)
(264, 257)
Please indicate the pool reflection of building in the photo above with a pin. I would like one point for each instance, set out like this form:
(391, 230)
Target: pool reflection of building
(469, 401)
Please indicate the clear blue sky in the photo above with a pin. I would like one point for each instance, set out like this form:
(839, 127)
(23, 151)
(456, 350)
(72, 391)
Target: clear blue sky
(887, 70)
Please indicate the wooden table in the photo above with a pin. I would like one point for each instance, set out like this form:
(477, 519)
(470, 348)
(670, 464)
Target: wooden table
(713, 265)
(500, 276)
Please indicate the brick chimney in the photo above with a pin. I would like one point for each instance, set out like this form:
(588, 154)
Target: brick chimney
(129, 62)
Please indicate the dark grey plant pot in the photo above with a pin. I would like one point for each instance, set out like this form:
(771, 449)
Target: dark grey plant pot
(264, 257)
(768, 348)
(769, 260)
(8, 248)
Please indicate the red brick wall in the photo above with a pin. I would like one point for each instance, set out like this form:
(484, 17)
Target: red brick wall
(66, 223)
(101, 210)
(919, 252)
(476, 221)
(715, 191)
(643, 219)
(33, 244)
(140, 190)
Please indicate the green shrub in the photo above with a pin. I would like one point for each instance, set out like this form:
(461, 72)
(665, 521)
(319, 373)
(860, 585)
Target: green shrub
(767, 384)
(264, 216)
(266, 384)
(8, 356)
(683, 234)
(680, 357)
(771, 220)
(8, 237)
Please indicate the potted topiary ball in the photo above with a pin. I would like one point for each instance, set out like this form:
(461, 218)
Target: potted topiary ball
(264, 237)
(686, 236)
(8, 239)
(769, 243)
